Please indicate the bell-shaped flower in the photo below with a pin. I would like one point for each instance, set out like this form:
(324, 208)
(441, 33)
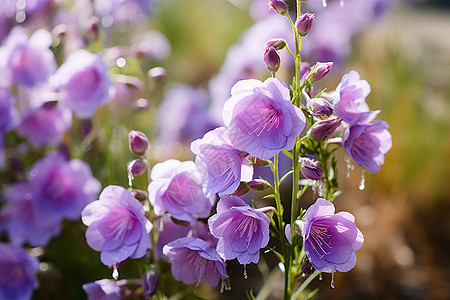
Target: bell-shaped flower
(261, 118)
(176, 188)
(330, 239)
(193, 259)
(242, 230)
(367, 143)
(117, 226)
(84, 83)
(104, 289)
(349, 97)
(221, 166)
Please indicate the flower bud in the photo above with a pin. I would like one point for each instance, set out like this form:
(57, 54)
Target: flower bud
(303, 23)
(138, 142)
(137, 167)
(320, 71)
(279, 6)
(150, 282)
(257, 185)
(307, 266)
(241, 190)
(320, 107)
(140, 195)
(157, 74)
(310, 169)
(278, 44)
(258, 162)
(324, 129)
(272, 59)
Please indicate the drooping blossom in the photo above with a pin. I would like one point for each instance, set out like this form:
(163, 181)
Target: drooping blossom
(261, 118)
(168, 232)
(45, 125)
(117, 225)
(221, 166)
(330, 239)
(349, 97)
(183, 103)
(176, 188)
(84, 83)
(193, 259)
(242, 230)
(103, 289)
(29, 60)
(367, 143)
(17, 273)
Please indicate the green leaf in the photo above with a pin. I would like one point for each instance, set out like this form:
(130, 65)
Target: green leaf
(287, 153)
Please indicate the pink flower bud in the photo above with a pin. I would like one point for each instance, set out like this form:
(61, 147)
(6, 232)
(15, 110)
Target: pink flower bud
(241, 190)
(279, 6)
(278, 44)
(272, 59)
(303, 23)
(138, 142)
(324, 129)
(320, 107)
(137, 167)
(320, 71)
(310, 169)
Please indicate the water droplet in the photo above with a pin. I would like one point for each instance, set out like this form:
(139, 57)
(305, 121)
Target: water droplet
(115, 273)
(332, 281)
(303, 275)
(245, 272)
(341, 3)
(324, 3)
(130, 179)
(362, 184)
(350, 166)
(224, 285)
(320, 276)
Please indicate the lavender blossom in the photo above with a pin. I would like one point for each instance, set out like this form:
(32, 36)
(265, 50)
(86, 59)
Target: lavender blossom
(84, 83)
(330, 239)
(242, 230)
(320, 108)
(310, 169)
(45, 125)
(324, 129)
(29, 60)
(367, 143)
(117, 226)
(176, 188)
(193, 259)
(261, 118)
(221, 166)
(303, 23)
(349, 97)
(169, 231)
(17, 273)
(20, 219)
(103, 289)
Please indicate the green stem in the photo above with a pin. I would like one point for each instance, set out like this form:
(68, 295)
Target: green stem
(304, 285)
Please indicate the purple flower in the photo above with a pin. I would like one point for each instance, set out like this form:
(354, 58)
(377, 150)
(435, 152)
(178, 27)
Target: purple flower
(185, 104)
(242, 230)
(310, 169)
(261, 119)
(350, 97)
(150, 282)
(193, 259)
(330, 239)
(272, 59)
(367, 143)
(106, 289)
(320, 70)
(45, 125)
(279, 6)
(117, 226)
(84, 83)
(320, 107)
(17, 273)
(176, 188)
(6, 111)
(23, 223)
(30, 60)
(169, 232)
(61, 188)
(221, 166)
